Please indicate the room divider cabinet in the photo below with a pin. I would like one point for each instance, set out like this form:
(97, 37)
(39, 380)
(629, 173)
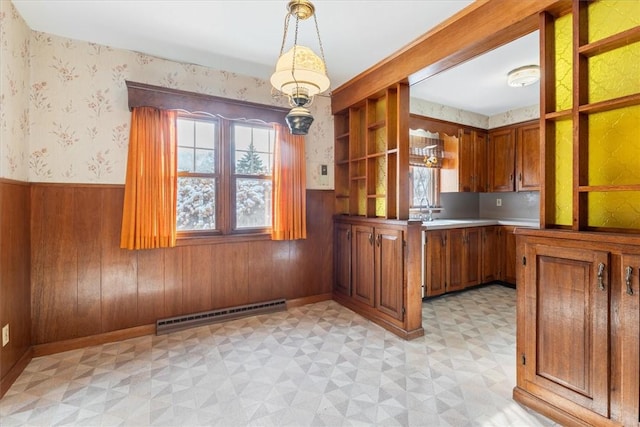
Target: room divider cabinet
(377, 273)
(578, 326)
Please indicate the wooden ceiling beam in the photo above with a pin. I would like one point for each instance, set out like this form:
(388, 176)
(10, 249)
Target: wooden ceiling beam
(479, 28)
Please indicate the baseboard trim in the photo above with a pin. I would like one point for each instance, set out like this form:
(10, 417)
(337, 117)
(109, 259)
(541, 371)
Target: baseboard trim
(7, 381)
(104, 338)
(138, 331)
(299, 302)
(556, 414)
(377, 318)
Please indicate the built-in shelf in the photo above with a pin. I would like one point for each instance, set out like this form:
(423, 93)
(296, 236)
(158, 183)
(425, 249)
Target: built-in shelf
(611, 104)
(343, 136)
(603, 188)
(607, 44)
(377, 125)
(559, 115)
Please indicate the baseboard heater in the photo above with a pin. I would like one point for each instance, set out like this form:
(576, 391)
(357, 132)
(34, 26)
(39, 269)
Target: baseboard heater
(179, 323)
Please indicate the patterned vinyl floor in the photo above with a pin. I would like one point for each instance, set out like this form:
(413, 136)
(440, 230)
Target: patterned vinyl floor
(317, 365)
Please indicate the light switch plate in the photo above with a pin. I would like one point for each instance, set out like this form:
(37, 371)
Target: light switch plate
(498, 202)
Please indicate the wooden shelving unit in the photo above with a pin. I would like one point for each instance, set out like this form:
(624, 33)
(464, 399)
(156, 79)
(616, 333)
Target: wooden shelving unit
(371, 147)
(602, 144)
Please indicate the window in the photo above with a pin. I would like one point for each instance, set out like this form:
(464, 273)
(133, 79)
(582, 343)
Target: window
(224, 175)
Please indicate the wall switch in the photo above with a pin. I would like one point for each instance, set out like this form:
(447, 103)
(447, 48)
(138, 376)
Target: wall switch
(498, 202)
(5, 335)
(323, 169)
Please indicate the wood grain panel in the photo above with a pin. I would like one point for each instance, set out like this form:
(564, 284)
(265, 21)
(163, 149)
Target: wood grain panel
(15, 298)
(79, 271)
(119, 267)
(56, 281)
(199, 267)
(173, 282)
(87, 220)
(150, 286)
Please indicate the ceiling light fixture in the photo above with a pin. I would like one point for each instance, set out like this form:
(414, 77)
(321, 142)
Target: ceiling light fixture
(300, 73)
(523, 76)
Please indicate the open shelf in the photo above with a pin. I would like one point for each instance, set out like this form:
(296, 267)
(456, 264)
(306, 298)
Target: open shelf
(610, 43)
(611, 104)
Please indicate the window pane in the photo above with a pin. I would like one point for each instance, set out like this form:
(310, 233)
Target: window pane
(253, 203)
(185, 133)
(253, 149)
(196, 208)
(185, 159)
(205, 161)
(205, 134)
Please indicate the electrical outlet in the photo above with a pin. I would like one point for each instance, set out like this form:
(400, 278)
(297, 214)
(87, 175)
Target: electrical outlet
(5, 335)
(323, 169)
(498, 202)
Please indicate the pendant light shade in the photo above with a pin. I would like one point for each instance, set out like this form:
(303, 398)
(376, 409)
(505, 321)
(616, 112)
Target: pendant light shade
(309, 76)
(300, 73)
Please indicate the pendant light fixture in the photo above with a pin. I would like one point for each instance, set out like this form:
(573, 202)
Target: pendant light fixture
(300, 73)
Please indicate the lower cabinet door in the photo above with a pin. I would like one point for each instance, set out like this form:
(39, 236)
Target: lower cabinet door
(566, 347)
(389, 272)
(435, 263)
(362, 264)
(630, 340)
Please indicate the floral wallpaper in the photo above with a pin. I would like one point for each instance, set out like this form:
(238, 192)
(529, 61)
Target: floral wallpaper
(78, 115)
(14, 93)
(455, 115)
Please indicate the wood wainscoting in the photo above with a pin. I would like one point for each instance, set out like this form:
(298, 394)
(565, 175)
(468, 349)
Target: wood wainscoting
(15, 309)
(83, 284)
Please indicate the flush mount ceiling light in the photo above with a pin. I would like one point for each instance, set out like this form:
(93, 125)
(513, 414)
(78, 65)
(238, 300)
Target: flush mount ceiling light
(523, 76)
(300, 73)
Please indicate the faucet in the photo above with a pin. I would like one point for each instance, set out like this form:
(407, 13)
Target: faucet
(429, 209)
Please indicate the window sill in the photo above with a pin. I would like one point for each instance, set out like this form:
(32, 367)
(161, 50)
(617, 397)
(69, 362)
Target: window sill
(221, 238)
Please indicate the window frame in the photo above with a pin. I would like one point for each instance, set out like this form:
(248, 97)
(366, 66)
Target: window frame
(225, 111)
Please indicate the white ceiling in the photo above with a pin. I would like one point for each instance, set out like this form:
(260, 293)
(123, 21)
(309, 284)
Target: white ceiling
(244, 36)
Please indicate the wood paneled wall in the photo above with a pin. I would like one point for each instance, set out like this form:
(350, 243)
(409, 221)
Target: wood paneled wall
(14, 279)
(83, 284)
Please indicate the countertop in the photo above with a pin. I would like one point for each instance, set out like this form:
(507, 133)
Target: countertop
(440, 224)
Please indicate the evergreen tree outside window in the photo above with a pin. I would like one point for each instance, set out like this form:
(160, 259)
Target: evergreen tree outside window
(254, 145)
(224, 176)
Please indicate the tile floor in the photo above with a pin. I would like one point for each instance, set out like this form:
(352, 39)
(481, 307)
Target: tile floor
(317, 365)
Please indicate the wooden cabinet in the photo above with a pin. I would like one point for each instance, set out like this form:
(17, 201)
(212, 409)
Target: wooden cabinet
(629, 295)
(342, 258)
(464, 258)
(508, 264)
(578, 326)
(389, 272)
(491, 254)
(362, 266)
(377, 272)
(455, 259)
(464, 166)
(514, 160)
(528, 157)
(566, 348)
(435, 264)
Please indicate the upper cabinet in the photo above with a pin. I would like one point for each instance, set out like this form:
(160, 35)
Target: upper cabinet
(514, 160)
(464, 168)
(371, 151)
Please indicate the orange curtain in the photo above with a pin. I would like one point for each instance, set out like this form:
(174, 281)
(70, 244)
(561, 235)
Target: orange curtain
(149, 213)
(289, 187)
